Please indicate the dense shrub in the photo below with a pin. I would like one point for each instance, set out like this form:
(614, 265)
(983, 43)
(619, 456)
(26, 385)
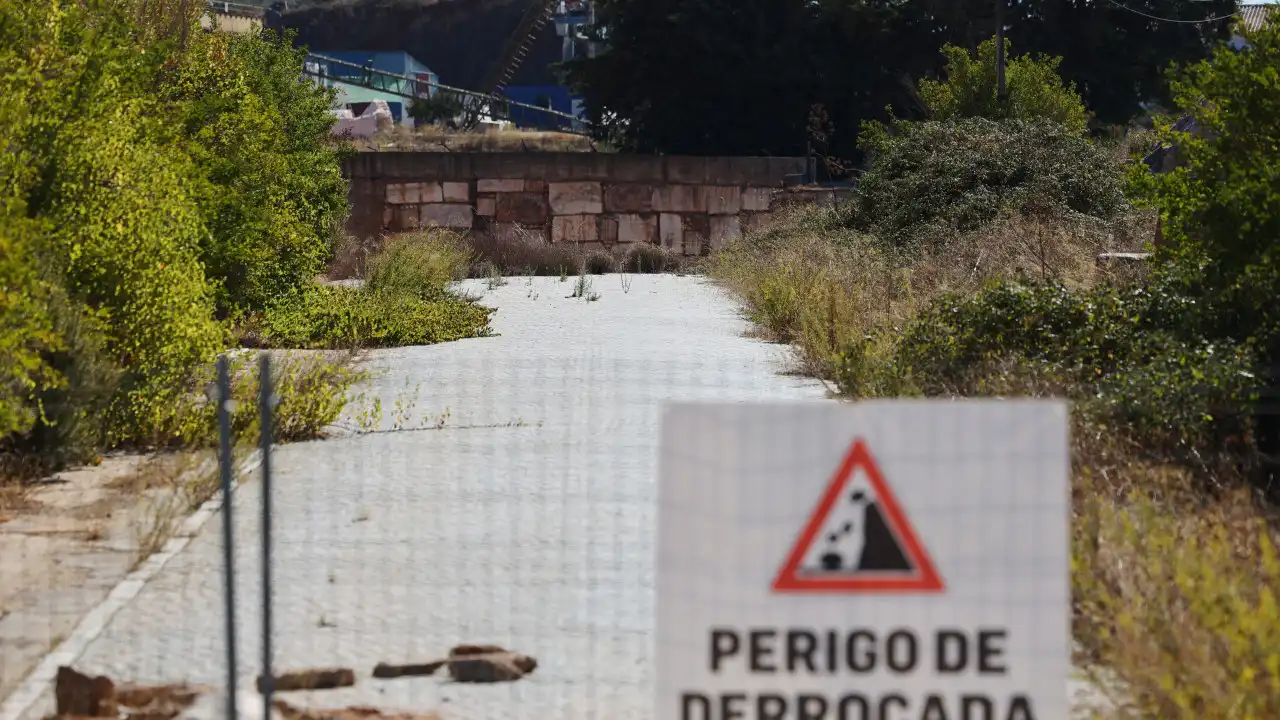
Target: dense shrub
(26, 330)
(312, 389)
(405, 299)
(418, 264)
(1119, 350)
(930, 179)
(1221, 207)
(152, 176)
(114, 222)
(268, 174)
(1034, 89)
(340, 317)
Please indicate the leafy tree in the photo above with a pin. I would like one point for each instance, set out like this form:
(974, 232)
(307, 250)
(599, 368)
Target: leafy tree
(714, 76)
(1034, 89)
(1221, 207)
(701, 76)
(112, 226)
(267, 171)
(147, 171)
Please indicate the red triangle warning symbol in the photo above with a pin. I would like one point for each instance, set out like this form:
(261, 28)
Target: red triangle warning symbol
(858, 539)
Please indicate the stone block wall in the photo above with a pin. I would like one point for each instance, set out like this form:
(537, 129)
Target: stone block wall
(689, 205)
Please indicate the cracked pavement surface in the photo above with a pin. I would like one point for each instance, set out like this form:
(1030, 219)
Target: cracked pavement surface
(527, 519)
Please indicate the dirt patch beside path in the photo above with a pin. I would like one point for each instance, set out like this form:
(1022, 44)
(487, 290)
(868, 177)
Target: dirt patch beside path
(67, 541)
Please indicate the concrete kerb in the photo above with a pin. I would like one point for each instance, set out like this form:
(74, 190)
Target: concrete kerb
(91, 625)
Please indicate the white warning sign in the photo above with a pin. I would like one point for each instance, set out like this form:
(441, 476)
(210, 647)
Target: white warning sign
(901, 560)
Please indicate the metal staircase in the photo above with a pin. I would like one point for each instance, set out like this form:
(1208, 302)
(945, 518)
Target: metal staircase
(518, 45)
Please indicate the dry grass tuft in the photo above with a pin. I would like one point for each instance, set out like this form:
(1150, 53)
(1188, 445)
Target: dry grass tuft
(433, 138)
(525, 251)
(1175, 587)
(808, 282)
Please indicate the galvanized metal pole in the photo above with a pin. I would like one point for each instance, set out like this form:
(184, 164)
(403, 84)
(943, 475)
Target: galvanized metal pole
(266, 409)
(228, 555)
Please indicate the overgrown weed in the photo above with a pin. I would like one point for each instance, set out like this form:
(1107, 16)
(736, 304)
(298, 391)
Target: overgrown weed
(1175, 571)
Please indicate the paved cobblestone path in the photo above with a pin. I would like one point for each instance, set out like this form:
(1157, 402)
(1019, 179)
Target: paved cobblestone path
(527, 519)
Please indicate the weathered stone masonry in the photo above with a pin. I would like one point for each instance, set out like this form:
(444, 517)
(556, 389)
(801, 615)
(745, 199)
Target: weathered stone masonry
(594, 200)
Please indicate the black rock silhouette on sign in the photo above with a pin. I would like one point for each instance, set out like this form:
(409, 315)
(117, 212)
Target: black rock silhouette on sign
(880, 549)
(880, 552)
(858, 539)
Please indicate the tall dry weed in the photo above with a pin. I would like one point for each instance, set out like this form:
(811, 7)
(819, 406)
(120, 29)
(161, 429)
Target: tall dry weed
(1175, 570)
(809, 281)
(433, 138)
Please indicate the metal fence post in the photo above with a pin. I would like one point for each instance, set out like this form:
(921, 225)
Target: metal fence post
(228, 556)
(266, 409)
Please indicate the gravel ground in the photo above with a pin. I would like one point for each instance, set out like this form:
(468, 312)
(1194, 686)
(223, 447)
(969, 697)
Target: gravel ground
(526, 518)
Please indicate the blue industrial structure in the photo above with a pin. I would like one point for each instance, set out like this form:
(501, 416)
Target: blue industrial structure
(399, 63)
(552, 97)
(573, 21)
(351, 77)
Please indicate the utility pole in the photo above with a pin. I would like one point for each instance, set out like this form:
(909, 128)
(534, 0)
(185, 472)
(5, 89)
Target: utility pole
(1000, 87)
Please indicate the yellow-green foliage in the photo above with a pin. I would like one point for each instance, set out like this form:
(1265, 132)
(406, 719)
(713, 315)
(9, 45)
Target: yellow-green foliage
(312, 389)
(1035, 90)
(421, 264)
(1221, 206)
(112, 221)
(1175, 593)
(269, 182)
(341, 317)
(405, 300)
(152, 176)
(26, 330)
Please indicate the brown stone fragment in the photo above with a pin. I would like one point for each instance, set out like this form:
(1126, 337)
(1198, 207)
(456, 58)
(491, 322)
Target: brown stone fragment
(158, 702)
(387, 671)
(318, 679)
(79, 694)
(358, 712)
(460, 650)
(490, 668)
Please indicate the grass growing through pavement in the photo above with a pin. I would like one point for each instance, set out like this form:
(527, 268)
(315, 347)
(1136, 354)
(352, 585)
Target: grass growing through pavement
(405, 300)
(1175, 573)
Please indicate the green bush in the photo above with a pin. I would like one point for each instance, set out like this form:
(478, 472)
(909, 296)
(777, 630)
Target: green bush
(419, 264)
(312, 390)
(27, 333)
(1035, 90)
(931, 179)
(76, 411)
(114, 221)
(1117, 351)
(268, 173)
(338, 317)
(1221, 207)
